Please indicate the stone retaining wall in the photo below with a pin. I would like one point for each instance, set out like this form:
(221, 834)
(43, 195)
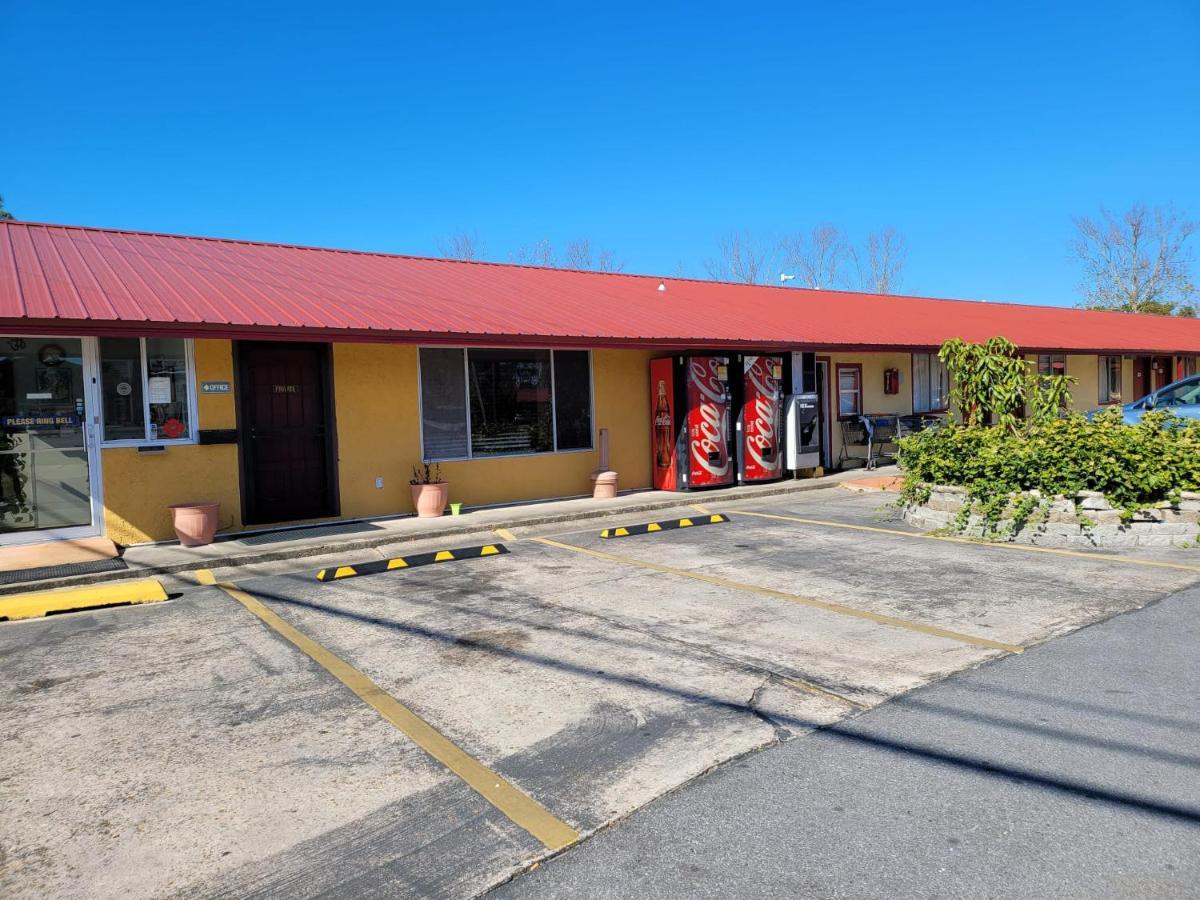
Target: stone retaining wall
(1084, 520)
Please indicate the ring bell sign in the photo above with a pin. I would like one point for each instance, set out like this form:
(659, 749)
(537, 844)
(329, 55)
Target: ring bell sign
(710, 430)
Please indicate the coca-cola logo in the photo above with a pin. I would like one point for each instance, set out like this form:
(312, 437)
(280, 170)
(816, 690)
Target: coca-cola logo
(760, 424)
(760, 433)
(761, 377)
(708, 439)
(704, 374)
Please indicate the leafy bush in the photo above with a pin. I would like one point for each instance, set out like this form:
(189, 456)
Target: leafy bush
(1134, 466)
(993, 382)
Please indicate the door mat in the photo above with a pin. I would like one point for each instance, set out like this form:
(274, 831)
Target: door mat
(314, 531)
(64, 571)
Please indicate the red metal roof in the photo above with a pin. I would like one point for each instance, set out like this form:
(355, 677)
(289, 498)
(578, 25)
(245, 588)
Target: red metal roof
(57, 278)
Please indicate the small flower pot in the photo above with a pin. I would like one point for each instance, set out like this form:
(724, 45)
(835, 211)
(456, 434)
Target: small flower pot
(195, 523)
(430, 499)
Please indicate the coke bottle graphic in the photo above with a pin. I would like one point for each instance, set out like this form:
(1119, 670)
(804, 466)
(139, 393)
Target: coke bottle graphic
(662, 428)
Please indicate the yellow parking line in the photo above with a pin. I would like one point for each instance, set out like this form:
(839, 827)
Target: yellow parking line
(205, 576)
(793, 598)
(522, 809)
(700, 508)
(505, 534)
(1080, 554)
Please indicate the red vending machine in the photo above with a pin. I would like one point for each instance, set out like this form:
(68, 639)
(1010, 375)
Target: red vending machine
(760, 418)
(691, 407)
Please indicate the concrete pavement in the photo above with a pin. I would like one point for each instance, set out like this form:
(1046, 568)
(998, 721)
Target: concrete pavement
(198, 749)
(1072, 770)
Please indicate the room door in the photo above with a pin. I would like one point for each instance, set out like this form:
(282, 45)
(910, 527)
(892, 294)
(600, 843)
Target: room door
(49, 460)
(286, 432)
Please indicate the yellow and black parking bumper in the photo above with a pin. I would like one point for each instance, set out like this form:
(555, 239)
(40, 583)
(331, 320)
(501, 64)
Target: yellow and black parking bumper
(374, 567)
(668, 525)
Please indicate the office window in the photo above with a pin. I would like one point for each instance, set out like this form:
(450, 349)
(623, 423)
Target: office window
(1110, 379)
(931, 383)
(145, 389)
(1052, 364)
(478, 403)
(849, 386)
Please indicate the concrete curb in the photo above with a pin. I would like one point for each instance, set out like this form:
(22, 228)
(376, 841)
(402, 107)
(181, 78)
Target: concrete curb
(352, 544)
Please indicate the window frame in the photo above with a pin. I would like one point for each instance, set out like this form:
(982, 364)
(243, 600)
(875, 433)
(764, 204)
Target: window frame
(1051, 357)
(1103, 383)
(858, 370)
(189, 356)
(467, 398)
(912, 368)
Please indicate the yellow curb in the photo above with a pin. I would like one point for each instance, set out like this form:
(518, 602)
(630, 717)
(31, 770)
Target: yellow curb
(41, 603)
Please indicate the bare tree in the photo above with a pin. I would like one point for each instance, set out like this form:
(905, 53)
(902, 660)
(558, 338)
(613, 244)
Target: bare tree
(1138, 262)
(818, 258)
(741, 258)
(878, 266)
(606, 261)
(539, 253)
(579, 256)
(464, 245)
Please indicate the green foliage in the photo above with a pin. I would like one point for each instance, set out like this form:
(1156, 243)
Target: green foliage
(992, 382)
(1134, 466)
(4, 213)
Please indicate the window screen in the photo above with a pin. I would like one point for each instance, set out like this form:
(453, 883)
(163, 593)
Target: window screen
(572, 399)
(443, 404)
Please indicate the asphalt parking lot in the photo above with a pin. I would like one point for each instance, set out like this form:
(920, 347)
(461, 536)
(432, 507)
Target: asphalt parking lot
(436, 730)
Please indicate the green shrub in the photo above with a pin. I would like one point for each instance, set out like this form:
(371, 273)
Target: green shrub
(1134, 466)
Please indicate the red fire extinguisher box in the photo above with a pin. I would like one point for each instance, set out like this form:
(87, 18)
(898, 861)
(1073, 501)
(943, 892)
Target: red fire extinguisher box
(716, 420)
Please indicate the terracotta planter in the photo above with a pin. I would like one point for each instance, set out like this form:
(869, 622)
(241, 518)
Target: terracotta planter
(604, 485)
(195, 523)
(430, 499)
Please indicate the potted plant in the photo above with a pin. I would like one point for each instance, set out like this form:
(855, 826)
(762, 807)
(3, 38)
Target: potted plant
(195, 523)
(429, 491)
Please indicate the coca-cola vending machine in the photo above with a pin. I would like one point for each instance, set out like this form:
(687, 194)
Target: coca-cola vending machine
(693, 438)
(759, 399)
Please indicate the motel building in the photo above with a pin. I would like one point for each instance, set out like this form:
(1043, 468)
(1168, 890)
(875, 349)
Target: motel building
(298, 385)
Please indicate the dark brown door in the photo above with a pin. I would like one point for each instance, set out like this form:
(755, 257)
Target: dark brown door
(285, 432)
(1163, 372)
(1142, 381)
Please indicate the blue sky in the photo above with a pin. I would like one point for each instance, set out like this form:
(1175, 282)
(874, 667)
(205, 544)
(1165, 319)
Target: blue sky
(978, 130)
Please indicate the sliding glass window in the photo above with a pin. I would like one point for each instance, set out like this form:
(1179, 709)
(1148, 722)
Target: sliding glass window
(479, 403)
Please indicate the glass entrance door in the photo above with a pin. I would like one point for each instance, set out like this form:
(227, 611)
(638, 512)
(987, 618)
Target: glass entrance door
(46, 470)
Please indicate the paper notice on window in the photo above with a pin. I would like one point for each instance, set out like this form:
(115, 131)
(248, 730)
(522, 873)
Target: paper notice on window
(158, 389)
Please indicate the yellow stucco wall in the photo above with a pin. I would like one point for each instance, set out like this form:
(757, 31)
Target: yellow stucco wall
(620, 380)
(377, 410)
(1085, 368)
(874, 398)
(138, 487)
(378, 427)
